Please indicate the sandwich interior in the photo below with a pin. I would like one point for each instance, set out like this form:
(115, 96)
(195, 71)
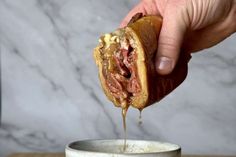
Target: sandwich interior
(123, 71)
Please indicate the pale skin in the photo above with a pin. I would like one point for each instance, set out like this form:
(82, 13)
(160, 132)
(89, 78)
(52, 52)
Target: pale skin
(188, 25)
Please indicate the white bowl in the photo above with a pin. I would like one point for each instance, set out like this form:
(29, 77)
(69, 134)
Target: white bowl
(114, 148)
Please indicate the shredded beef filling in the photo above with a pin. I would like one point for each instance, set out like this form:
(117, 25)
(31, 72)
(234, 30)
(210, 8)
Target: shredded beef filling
(123, 81)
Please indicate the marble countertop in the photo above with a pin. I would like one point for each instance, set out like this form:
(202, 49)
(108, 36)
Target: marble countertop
(51, 93)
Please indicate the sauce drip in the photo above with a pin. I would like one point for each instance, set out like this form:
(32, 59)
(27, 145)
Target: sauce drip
(140, 117)
(124, 111)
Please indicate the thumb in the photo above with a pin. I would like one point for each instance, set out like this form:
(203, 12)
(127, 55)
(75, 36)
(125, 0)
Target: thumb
(170, 40)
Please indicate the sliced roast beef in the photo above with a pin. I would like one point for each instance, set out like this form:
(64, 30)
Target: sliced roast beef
(123, 81)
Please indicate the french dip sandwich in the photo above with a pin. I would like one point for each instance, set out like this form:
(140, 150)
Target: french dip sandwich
(126, 63)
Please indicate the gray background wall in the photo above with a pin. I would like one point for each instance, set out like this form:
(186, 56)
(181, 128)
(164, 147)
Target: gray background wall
(51, 94)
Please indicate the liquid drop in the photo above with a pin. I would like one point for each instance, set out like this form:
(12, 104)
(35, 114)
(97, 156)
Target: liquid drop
(140, 117)
(124, 111)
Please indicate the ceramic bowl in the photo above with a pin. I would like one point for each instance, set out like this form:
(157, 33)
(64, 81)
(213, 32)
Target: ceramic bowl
(115, 148)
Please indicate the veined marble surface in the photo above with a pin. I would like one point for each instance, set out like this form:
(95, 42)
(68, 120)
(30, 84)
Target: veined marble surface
(51, 94)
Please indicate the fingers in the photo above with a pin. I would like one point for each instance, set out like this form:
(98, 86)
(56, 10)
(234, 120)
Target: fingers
(149, 7)
(170, 40)
(198, 40)
(137, 9)
(211, 35)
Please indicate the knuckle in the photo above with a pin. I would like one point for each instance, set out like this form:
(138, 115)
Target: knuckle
(168, 42)
(168, 47)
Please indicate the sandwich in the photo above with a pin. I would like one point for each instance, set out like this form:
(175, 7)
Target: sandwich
(126, 64)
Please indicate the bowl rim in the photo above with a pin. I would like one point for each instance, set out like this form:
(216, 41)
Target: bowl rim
(68, 147)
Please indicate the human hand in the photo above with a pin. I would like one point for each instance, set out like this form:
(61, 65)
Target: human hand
(188, 25)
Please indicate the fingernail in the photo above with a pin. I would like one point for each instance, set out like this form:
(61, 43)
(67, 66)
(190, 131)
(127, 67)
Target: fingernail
(164, 64)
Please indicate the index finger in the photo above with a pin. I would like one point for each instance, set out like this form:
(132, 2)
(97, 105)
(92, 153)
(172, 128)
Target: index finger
(146, 7)
(137, 9)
